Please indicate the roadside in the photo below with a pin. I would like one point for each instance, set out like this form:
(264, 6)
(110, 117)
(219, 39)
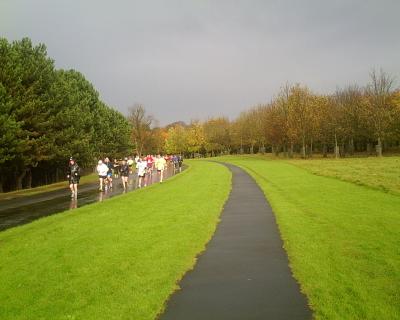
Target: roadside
(47, 188)
(120, 259)
(341, 238)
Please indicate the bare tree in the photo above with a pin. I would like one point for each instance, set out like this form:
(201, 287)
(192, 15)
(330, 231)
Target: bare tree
(379, 92)
(141, 126)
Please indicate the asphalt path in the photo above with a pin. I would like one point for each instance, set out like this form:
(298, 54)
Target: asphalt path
(244, 272)
(19, 211)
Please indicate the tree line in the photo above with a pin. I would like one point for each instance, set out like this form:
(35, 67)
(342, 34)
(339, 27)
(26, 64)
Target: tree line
(297, 121)
(48, 115)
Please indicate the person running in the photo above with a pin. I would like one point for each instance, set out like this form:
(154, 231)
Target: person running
(150, 163)
(116, 168)
(175, 162)
(102, 170)
(73, 175)
(141, 167)
(124, 171)
(130, 164)
(109, 171)
(160, 166)
(180, 162)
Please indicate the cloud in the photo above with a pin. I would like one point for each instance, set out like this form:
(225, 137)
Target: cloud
(193, 59)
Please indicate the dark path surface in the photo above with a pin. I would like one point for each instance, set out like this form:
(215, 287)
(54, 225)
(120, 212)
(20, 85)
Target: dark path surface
(244, 271)
(20, 211)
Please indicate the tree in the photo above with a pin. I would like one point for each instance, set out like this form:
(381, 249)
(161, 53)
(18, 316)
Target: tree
(217, 135)
(176, 142)
(379, 92)
(195, 137)
(141, 126)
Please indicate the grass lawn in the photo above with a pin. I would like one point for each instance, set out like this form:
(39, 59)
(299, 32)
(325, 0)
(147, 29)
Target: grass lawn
(343, 239)
(119, 259)
(380, 173)
(50, 187)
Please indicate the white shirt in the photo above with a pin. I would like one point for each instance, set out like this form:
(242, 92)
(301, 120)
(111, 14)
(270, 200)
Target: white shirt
(160, 163)
(141, 166)
(102, 169)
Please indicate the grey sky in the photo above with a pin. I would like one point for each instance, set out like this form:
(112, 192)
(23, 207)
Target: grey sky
(193, 59)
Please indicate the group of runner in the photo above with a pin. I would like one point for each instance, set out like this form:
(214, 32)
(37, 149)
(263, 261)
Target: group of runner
(144, 167)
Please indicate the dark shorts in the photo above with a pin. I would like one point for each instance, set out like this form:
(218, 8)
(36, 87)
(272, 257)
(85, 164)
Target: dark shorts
(142, 175)
(74, 181)
(125, 175)
(102, 177)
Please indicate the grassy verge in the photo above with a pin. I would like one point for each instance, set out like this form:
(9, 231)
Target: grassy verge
(50, 187)
(379, 173)
(119, 259)
(342, 239)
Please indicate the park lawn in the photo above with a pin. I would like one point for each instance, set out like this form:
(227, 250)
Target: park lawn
(379, 173)
(119, 259)
(342, 239)
(46, 188)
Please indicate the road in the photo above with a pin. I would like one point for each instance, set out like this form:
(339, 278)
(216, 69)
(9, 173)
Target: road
(15, 212)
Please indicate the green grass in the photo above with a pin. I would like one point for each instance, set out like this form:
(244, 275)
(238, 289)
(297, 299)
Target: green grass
(119, 259)
(380, 173)
(49, 187)
(342, 239)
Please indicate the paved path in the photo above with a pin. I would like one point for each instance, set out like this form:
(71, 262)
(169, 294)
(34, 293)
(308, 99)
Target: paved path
(244, 272)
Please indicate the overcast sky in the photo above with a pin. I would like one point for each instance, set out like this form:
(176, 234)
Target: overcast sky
(193, 59)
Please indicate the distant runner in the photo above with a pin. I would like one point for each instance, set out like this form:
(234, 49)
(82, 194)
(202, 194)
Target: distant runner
(110, 167)
(141, 167)
(130, 164)
(150, 163)
(102, 170)
(160, 166)
(180, 162)
(124, 171)
(116, 168)
(73, 175)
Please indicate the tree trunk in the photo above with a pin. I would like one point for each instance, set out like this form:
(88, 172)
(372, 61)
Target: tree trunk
(324, 151)
(351, 146)
(252, 149)
(262, 149)
(342, 150)
(29, 179)
(277, 150)
(303, 149)
(379, 147)
(311, 148)
(337, 153)
(290, 152)
(285, 153)
(20, 177)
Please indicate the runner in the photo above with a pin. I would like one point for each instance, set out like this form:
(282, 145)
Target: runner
(73, 175)
(160, 165)
(141, 167)
(180, 162)
(116, 168)
(124, 170)
(150, 164)
(130, 164)
(102, 170)
(175, 162)
(109, 171)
